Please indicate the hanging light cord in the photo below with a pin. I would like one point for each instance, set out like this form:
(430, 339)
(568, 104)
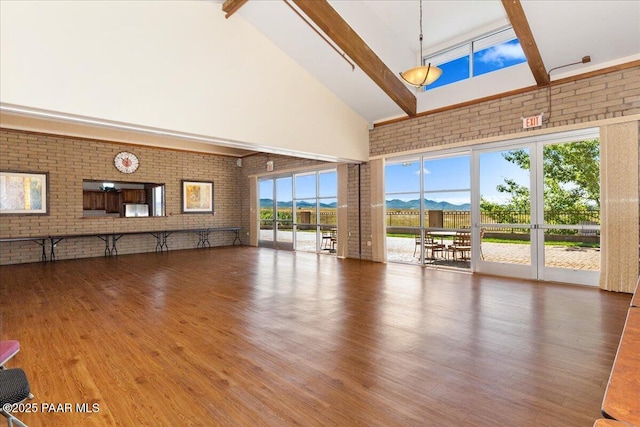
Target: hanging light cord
(421, 36)
(342, 54)
(584, 60)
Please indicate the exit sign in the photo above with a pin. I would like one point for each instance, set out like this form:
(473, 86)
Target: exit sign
(532, 122)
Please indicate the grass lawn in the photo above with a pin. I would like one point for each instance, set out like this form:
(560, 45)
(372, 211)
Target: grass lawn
(518, 242)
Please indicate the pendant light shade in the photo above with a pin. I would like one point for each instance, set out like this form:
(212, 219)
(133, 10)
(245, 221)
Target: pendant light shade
(422, 75)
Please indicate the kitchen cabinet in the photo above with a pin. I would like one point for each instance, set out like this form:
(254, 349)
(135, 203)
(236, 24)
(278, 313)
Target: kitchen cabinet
(93, 200)
(134, 196)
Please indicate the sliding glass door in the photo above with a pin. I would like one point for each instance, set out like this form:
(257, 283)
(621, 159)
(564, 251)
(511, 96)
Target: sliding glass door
(299, 211)
(428, 203)
(503, 236)
(569, 211)
(538, 209)
(276, 219)
(531, 207)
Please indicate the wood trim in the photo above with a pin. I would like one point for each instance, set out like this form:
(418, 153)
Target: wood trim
(231, 6)
(521, 27)
(337, 29)
(578, 77)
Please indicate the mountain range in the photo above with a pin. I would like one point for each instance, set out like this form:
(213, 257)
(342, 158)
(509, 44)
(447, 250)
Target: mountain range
(391, 204)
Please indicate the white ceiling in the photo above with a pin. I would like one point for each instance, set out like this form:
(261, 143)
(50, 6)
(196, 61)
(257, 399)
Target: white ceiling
(565, 31)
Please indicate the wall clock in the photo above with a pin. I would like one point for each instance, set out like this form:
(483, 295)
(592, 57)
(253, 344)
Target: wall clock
(126, 162)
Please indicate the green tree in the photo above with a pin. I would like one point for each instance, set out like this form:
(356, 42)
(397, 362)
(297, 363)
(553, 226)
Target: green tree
(571, 183)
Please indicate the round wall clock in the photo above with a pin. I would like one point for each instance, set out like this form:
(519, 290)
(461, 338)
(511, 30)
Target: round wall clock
(126, 162)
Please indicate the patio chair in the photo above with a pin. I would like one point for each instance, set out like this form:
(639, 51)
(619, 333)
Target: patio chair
(418, 242)
(326, 240)
(431, 246)
(334, 240)
(14, 389)
(461, 245)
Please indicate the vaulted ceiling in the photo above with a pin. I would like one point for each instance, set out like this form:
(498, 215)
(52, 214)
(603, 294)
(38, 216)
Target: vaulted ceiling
(180, 75)
(555, 33)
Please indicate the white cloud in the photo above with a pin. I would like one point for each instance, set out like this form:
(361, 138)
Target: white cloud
(499, 54)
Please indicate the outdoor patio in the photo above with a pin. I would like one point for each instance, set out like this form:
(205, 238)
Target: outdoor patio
(401, 249)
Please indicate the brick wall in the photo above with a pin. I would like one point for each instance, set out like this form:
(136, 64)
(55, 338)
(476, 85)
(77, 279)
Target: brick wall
(69, 161)
(605, 96)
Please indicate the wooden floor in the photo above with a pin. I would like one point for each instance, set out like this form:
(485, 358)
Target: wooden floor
(243, 336)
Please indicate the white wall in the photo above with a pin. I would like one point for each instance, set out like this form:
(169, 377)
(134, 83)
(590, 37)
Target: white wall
(173, 65)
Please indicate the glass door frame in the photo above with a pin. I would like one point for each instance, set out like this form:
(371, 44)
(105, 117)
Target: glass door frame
(294, 223)
(275, 243)
(423, 191)
(537, 269)
(480, 265)
(544, 272)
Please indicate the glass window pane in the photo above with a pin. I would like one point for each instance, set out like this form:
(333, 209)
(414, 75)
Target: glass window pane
(403, 210)
(497, 57)
(328, 184)
(572, 183)
(305, 186)
(329, 211)
(402, 177)
(452, 71)
(306, 213)
(575, 249)
(448, 209)
(306, 239)
(266, 190)
(450, 173)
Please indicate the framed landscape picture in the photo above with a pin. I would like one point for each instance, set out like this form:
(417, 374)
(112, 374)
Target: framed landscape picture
(24, 193)
(197, 197)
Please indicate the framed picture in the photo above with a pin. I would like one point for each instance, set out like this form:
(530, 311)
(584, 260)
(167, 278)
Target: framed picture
(197, 197)
(24, 193)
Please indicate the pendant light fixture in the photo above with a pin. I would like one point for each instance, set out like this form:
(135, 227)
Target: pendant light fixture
(422, 75)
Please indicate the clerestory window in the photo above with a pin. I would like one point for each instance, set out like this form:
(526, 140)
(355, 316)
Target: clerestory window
(491, 52)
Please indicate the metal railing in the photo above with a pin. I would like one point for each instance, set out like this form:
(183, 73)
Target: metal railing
(462, 219)
(458, 219)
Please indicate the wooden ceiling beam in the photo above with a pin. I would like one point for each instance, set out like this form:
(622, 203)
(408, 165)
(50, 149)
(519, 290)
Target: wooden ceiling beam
(231, 6)
(337, 29)
(521, 27)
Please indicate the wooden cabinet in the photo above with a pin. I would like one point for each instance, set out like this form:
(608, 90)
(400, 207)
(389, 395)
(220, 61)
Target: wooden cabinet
(93, 200)
(112, 202)
(134, 196)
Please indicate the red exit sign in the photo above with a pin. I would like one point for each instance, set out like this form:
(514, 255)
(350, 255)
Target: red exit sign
(531, 122)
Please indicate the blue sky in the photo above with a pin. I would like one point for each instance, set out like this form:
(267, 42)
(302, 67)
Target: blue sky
(484, 61)
(305, 187)
(446, 179)
(449, 179)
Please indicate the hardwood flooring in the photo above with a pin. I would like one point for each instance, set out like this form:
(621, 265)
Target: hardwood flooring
(242, 336)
